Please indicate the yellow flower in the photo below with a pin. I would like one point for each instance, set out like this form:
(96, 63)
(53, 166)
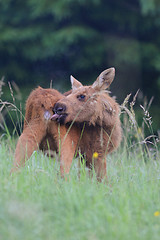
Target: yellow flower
(157, 213)
(95, 155)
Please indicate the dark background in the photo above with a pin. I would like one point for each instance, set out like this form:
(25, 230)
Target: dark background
(44, 40)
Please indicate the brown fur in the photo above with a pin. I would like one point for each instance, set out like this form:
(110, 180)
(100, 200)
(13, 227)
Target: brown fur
(92, 109)
(41, 133)
(95, 124)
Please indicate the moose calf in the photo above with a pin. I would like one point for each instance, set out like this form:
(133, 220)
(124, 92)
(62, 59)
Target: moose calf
(40, 132)
(94, 116)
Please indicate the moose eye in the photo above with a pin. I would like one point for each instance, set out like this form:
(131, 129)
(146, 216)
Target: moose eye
(81, 97)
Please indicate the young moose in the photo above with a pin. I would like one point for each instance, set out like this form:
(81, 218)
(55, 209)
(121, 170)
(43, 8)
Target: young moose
(40, 132)
(95, 116)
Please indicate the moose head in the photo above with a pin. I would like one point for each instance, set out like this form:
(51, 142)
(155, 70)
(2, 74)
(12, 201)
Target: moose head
(86, 103)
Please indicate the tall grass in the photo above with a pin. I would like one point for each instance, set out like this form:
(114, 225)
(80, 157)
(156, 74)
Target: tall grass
(37, 203)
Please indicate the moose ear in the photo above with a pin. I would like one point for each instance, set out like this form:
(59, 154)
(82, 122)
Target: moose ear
(75, 83)
(104, 79)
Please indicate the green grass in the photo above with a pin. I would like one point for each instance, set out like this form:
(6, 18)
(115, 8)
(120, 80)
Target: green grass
(37, 203)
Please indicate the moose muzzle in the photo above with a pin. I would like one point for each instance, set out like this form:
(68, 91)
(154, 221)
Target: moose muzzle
(59, 113)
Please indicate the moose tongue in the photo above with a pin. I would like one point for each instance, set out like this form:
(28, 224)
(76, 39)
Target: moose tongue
(54, 116)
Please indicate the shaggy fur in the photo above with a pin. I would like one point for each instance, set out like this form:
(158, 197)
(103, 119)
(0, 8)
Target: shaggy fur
(95, 115)
(41, 133)
(89, 120)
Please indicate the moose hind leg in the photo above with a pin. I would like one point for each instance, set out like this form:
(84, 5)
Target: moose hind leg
(98, 162)
(100, 168)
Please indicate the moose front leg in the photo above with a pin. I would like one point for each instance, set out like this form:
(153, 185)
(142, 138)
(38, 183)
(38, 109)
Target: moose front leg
(67, 142)
(67, 153)
(28, 142)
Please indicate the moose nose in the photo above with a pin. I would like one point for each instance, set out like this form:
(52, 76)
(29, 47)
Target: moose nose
(59, 108)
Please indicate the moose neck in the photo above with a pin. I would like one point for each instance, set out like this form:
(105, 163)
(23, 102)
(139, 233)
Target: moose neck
(96, 126)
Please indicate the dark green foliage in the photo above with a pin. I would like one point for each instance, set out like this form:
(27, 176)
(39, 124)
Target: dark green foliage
(44, 40)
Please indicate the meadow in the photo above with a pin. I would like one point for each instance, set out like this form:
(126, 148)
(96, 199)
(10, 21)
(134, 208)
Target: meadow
(36, 203)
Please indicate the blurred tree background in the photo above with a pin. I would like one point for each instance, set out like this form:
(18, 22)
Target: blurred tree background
(48, 40)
